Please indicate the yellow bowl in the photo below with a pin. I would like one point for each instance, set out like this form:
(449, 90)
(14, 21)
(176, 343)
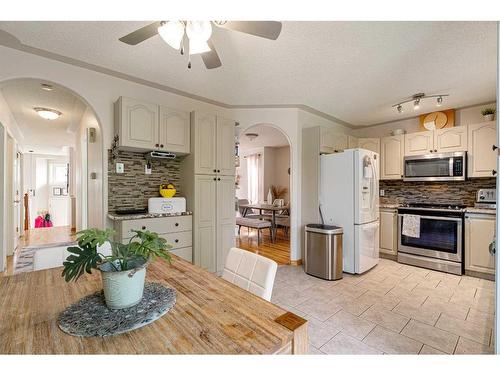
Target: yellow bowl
(167, 193)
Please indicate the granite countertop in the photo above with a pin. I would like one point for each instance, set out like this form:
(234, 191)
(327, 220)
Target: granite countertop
(480, 210)
(389, 205)
(116, 217)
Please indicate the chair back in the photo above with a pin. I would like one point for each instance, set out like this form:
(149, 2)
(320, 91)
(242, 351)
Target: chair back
(242, 209)
(251, 272)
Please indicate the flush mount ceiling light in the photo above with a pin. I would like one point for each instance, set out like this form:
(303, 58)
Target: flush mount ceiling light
(251, 136)
(47, 113)
(417, 98)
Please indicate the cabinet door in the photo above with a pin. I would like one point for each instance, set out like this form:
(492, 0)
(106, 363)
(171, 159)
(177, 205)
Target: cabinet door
(331, 141)
(174, 130)
(352, 142)
(391, 157)
(138, 124)
(372, 144)
(225, 147)
(388, 232)
(339, 142)
(204, 217)
(481, 157)
(450, 139)
(205, 135)
(226, 218)
(419, 143)
(479, 232)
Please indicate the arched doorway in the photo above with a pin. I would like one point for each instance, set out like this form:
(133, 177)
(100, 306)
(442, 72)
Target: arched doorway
(57, 163)
(263, 176)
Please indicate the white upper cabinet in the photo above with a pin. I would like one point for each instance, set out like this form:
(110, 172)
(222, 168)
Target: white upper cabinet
(143, 126)
(450, 139)
(419, 143)
(391, 156)
(225, 147)
(482, 159)
(372, 144)
(136, 124)
(331, 141)
(352, 142)
(174, 130)
(205, 140)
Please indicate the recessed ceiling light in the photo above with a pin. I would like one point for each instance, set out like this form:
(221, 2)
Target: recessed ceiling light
(47, 87)
(47, 113)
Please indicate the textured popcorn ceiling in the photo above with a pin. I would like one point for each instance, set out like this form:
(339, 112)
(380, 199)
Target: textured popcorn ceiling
(353, 71)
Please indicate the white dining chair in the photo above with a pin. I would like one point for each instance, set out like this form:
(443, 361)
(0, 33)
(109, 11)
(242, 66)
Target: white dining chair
(251, 272)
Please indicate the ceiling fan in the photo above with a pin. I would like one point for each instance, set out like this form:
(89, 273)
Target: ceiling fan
(194, 36)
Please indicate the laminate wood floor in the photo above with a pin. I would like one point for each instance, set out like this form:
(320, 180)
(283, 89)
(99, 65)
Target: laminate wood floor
(278, 251)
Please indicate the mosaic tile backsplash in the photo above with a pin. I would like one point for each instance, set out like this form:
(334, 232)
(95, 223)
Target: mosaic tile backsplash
(457, 192)
(131, 190)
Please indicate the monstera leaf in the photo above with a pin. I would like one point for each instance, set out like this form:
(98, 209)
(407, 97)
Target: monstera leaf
(94, 237)
(82, 259)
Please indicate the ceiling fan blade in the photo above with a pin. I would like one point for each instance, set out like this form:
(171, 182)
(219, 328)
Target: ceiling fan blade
(211, 58)
(264, 29)
(140, 35)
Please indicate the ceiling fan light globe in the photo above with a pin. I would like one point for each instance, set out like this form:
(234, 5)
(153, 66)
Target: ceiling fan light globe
(172, 33)
(197, 46)
(199, 30)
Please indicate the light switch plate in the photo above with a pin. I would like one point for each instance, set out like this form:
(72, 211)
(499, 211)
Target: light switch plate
(147, 168)
(120, 168)
(382, 193)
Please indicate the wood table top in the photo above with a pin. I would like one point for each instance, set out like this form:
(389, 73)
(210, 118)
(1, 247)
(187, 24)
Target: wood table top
(211, 316)
(264, 206)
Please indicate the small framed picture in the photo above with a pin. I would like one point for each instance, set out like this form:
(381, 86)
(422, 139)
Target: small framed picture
(64, 191)
(56, 191)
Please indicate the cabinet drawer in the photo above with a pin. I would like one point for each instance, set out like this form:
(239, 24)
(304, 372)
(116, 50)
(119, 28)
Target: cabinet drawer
(185, 253)
(159, 225)
(179, 239)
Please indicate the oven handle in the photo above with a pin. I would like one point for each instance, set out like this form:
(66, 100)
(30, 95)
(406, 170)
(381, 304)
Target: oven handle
(436, 217)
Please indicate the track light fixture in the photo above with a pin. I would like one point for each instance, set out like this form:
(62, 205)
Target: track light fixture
(416, 98)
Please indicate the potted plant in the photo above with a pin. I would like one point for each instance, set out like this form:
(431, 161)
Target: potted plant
(123, 272)
(488, 114)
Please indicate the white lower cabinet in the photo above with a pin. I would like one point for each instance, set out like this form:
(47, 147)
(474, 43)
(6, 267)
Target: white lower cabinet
(388, 231)
(177, 230)
(214, 220)
(479, 233)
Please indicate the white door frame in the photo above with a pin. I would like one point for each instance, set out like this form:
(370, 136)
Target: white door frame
(497, 232)
(3, 199)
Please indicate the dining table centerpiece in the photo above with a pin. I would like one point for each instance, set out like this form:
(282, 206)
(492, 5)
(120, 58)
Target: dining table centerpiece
(123, 272)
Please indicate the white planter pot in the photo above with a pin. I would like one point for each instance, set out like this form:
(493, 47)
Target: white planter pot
(489, 117)
(125, 288)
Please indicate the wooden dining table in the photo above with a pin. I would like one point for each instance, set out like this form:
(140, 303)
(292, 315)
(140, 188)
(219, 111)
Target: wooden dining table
(265, 207)
(211, 316)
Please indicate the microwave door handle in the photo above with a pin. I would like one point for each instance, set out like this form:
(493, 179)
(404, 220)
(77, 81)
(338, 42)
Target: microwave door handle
(450, 163)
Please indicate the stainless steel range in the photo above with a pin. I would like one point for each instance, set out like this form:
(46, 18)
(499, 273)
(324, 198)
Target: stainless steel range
(438, 244)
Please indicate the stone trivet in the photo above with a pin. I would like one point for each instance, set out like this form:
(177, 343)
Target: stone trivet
(91, 317)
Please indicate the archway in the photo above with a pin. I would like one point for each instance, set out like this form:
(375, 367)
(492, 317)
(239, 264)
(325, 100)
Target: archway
(70, 148)
(264, 175)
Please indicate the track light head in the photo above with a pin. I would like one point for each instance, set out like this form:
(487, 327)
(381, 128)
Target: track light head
(416, 104)
(400, 108)
(439, 102)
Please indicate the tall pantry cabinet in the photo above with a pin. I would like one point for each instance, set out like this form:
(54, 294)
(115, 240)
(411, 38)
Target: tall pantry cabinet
(208, 181)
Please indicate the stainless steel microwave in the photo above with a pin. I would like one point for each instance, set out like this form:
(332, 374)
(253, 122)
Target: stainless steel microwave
(436, 167)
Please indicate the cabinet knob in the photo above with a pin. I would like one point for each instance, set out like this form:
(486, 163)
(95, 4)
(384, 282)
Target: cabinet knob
(218, 170)
(215, 179)
(143, 227)
(434, 150)
(157, 145)
(494, 148)
(161, 146)
(218, 179)
(431, 150)
(493, 172)
(215, 170)
(176, 241)
(492, 248)
(176, 224)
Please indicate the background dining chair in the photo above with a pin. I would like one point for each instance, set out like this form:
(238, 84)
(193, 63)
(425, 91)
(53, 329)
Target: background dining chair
(250, 213)
(251, 272)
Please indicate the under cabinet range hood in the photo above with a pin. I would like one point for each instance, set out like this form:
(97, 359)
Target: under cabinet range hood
(159, 155)
(450, 166)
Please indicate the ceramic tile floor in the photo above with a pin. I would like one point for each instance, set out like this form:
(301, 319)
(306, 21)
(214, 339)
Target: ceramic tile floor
(392, 309)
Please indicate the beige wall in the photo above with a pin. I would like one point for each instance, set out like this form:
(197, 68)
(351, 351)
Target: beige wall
(463, 116)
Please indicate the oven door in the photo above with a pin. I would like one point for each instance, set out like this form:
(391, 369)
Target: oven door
(440, 237)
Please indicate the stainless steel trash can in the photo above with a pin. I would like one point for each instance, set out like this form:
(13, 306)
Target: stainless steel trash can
(323, 252)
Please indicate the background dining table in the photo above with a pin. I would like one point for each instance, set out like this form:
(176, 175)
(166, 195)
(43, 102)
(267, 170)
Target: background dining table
(211, 316)
(265, 207)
